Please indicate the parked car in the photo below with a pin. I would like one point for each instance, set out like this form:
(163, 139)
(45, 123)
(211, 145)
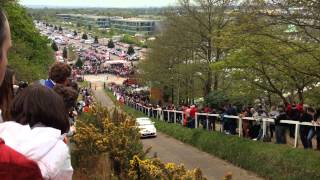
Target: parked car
(89, 41)
(146, 127)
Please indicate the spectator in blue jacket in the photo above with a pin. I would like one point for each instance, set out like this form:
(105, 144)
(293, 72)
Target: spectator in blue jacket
(58, 74)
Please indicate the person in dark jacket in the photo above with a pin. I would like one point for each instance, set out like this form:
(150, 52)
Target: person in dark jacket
(306, 116)
(293, 113)
(280, 129)
(315, 130)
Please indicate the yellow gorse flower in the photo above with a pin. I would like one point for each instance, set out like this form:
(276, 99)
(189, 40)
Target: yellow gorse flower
(101, 132)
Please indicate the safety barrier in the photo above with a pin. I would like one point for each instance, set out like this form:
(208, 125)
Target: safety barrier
(160, 116)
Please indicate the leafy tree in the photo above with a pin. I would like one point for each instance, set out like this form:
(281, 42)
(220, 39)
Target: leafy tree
(128, 39)
(30, 56)
(60, 29)
(96, 40)
(55, 28)
(268, 58)
(216, 99)
(75, 33)
(65, 53)
(208, 24)
(54, 46)
(84, 36)
(79, 63)
(130, 50)
(200, 36)
(111, 44)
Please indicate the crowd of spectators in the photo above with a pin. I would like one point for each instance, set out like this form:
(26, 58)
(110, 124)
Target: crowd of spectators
(95, 63)
(250, 129)
(37, 119)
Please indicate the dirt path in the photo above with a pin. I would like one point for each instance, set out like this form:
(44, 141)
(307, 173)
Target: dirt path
(171, 150)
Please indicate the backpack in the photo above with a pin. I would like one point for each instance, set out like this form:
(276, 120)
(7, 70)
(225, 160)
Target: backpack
(14, 165)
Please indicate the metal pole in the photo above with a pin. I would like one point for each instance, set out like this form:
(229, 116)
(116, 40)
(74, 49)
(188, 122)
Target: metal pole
(196, 121)
(182, 118)
(175, 117)
(296, 135)
(207, 121)
(264, 128)
(240, 126)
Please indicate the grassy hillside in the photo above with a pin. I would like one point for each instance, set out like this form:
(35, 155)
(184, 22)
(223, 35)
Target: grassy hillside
(30, 55)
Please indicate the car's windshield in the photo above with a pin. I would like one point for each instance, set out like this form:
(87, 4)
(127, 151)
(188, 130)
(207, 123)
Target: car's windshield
(144, 123)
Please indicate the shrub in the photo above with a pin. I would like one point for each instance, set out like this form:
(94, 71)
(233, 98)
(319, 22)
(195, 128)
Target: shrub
(155, 169)
(102, 133)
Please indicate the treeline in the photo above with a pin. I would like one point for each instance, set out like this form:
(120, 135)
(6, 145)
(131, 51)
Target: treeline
(255, 50)
(45, 13)
(30, 55)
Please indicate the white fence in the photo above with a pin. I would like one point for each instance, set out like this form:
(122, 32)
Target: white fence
(160, 115)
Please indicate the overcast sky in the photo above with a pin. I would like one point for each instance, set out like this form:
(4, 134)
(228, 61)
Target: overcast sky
(99, 3)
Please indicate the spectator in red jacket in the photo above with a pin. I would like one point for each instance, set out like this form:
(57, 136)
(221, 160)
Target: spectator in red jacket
(193, 110)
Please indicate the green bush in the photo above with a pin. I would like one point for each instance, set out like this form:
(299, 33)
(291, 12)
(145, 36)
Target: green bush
(271, 161)
(131, 40)
(31, 54)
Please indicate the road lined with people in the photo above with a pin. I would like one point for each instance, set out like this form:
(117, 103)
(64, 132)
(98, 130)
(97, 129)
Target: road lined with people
(254, 123)
(177, 152)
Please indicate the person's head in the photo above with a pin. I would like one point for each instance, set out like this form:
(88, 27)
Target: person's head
(38, 104)
(7, 93)
(60, 72)
(74, 85)
(280, 109)
(5, 44)
(68, 94)
(305, 107)
(310, 111)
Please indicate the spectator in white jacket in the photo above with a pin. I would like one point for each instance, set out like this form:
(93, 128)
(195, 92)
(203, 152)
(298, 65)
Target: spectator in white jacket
(38, 131)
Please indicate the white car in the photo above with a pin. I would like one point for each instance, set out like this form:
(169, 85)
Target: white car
(146, 127)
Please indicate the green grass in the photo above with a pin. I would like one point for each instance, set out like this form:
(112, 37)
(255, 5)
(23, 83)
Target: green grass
(84, 84)
(111, 96)
(271, 161)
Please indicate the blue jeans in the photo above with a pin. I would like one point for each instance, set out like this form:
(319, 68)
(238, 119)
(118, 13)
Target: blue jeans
(280, 132)
(312, 132)
(304, 134)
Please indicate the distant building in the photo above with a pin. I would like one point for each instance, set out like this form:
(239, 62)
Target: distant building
(134, 25)
(83, 19)
(130, 25)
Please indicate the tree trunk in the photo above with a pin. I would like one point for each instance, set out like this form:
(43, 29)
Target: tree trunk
(208, 83)
(269, 100)
(216, 75)
(216, 81)
(300, 95)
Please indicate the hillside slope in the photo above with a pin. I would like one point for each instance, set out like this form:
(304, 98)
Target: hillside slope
(30, 55)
